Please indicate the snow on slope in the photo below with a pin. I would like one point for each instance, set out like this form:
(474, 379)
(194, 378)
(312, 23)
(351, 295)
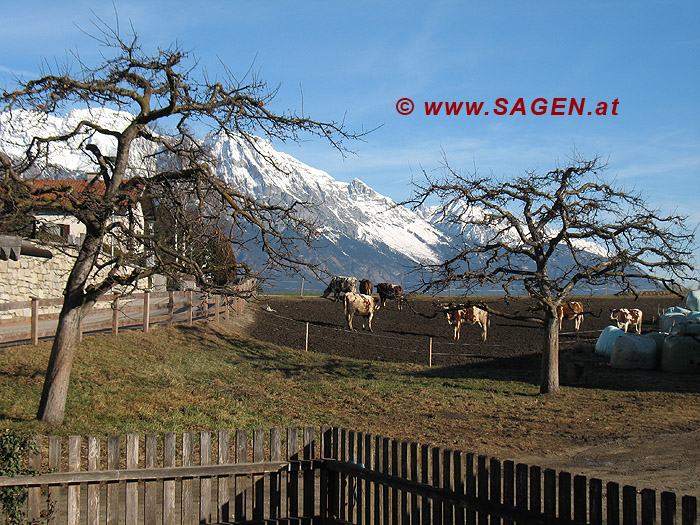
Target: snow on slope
(18, 127)
(342, 209)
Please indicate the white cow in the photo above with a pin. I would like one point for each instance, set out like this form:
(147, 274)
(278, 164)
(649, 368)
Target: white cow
(362, 305)
(468, 315)
(626, 317)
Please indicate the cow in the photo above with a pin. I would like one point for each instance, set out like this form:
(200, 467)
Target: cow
(624, 317)
(362, 305)
(366, 287)
(571, 310)
(470, 315)
(340, 284)
(391, 291)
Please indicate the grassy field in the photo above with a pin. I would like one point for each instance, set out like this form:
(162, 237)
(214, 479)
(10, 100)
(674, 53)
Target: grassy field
(212, 376)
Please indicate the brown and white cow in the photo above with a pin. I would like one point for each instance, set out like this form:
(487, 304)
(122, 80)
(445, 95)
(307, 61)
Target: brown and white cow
(340, 284)
(366, 287)
(362, 305)
(468, 315)
(572, 310)
(390, 291)
(626, 317)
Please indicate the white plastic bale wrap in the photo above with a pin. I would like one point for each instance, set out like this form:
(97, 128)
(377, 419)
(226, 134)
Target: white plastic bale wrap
(673, 316)
(692, 300)
(659, 338)
(604, 345)
(681, 351)
(634, 351)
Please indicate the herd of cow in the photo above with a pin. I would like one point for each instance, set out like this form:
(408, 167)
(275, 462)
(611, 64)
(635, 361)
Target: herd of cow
(364, 304)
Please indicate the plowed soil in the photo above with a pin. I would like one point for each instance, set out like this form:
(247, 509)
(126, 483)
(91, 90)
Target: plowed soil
(404, 336)
(668, 460)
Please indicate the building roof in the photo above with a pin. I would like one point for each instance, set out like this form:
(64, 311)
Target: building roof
(63, 187)
(95, 189)
(11, 247)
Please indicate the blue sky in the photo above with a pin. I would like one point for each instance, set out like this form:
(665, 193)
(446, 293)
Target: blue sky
(354, 61)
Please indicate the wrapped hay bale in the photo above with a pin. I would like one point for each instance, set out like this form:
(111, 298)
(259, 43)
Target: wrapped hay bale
(692, 300)
(634, 351)
(659, 338)
(681, 351)
(673, 316)
(606, 339)
(690, 328)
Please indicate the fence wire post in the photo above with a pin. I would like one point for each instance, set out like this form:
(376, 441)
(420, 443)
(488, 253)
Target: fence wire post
(35, 321)
(171, 308)
(146, 311)
(306, 345)
(115, 315)
(430, 354)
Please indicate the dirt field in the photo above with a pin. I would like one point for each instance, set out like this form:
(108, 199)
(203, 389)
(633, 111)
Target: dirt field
(613, 448)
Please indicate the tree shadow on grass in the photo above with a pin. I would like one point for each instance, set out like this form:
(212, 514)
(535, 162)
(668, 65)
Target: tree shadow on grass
(595, 374)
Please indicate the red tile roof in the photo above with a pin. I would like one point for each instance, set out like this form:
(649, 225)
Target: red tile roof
(97, 188)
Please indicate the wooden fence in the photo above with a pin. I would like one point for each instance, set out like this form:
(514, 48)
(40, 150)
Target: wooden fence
(309, 475)
(114, 313)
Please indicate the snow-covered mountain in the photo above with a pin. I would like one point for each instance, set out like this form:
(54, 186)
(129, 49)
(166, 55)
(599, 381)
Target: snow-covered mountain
(362, 233)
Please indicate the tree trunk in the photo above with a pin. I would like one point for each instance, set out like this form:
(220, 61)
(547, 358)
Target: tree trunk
(53, 397)
(52, 406)
(550, 356)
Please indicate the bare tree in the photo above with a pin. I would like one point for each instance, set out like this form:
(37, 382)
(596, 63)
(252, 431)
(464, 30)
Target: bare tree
(546, 234)
(159, 95)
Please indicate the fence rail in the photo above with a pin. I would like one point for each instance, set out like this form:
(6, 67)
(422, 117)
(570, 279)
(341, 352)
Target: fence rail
(114, 312)
(310, 475)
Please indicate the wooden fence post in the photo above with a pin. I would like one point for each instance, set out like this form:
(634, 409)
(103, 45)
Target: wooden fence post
(169, 453)
(34, 494)
(35, 321)
(187, 500)
(146, 310)
(73, 510)
(132, 487)
(430, 353)
(112, 503)
(93, 489)
(306, 344)
(217, 305)
(115, 316)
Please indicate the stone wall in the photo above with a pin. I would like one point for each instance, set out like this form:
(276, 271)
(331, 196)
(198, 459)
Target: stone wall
(34, 276)
(46, 279)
